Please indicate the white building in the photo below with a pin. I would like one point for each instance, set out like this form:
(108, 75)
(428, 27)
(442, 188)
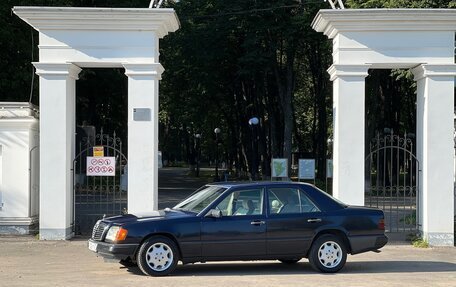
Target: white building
(19, 168)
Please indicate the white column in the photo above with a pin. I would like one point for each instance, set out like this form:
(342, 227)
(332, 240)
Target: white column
(57, 128)
(348, 121)
(435, 151)
(143, 108)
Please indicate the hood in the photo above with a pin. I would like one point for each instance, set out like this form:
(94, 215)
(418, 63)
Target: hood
(150, 215)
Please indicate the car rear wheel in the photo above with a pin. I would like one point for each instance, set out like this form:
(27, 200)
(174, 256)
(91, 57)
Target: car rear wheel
(289, 261)
(328, 254)
(158, 256)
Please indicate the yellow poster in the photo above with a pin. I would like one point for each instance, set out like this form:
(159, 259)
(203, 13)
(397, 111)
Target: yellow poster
(98, 151)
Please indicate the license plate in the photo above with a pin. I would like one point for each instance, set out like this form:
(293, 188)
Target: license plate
(93, 246)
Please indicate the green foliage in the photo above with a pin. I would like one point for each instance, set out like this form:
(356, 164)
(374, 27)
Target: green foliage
(18, 43)
(419, 242)
(234, 60)
(400, 3)
(229, 61)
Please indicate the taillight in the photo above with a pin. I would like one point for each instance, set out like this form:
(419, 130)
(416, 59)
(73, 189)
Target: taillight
(381, 224)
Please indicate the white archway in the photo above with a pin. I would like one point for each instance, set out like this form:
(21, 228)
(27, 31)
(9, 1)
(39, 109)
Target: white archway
(74, 38)
(419, 39)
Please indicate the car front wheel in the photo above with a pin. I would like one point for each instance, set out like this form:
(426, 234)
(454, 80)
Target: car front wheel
(158, 256)
(328, 254)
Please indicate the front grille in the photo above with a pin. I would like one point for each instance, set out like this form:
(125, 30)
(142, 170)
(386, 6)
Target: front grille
(98, 230)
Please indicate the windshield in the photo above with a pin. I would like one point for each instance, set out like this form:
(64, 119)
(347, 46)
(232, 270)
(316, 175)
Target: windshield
(200, 199)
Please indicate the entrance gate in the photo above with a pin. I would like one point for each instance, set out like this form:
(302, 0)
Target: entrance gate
(98, 196)
(392, 181)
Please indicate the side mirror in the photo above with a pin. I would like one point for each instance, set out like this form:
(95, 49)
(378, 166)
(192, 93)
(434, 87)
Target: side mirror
(214, 213)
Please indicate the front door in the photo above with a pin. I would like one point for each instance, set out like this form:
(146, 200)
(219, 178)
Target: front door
(241, 231)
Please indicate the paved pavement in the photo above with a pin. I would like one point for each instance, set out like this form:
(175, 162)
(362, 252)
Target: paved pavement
(25, 261)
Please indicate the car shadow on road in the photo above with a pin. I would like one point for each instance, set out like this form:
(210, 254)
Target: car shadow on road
(399, 267)
(303, 267)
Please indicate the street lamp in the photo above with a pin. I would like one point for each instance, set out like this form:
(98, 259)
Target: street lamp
(253, 122)
(216, 131)
(329, 169)
(329, 141)
(198, 152)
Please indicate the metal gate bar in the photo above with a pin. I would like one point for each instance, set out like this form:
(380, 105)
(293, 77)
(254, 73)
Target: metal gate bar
(392, 181)
(98, 196)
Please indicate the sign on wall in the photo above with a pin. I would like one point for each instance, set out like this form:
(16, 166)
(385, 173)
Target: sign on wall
(101, 166)
(329, 168)
(98, 151)
(306, 169)
(279, 167)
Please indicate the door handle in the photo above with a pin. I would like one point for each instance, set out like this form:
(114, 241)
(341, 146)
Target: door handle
(257, 222)
(313, 220)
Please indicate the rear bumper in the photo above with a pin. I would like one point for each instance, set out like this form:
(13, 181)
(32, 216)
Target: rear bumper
(365, 243)
(112, 251)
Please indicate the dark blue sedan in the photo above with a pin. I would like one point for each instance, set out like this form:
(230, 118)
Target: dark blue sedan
(282, 221)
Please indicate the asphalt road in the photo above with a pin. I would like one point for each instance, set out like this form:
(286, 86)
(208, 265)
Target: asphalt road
(174, 185)
(25, 261)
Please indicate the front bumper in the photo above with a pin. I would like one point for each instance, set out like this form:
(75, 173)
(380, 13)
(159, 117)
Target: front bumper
(111, 250)
(361, 244)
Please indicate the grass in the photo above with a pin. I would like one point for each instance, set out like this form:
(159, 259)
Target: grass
(419, 242)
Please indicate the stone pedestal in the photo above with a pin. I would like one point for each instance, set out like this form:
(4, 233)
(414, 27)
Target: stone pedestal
(57, 148)
(435, 151)
(348, 118)
(143, 136)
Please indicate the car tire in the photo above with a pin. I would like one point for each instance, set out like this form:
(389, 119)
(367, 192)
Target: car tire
(158, 256)
(289, 261)
(328, 254)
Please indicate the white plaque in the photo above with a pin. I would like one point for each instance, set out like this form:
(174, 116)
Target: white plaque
(306, 169)
(101, 166)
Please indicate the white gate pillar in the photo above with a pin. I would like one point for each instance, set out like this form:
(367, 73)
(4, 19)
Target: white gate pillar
(435, 145)
(348, 119)
(57, 129)
(143, 109)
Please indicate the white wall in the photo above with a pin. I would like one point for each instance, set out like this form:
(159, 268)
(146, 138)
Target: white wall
(18, 134)
(394, 49)
(98, 48)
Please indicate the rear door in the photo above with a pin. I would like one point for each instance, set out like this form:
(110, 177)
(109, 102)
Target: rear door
(241, 231)
(292, 220)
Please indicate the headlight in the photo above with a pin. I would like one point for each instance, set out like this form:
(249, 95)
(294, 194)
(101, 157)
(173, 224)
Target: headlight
(116, 233)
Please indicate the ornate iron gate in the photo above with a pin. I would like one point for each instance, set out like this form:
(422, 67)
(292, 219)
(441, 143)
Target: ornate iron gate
(392, 180)
(98, 196)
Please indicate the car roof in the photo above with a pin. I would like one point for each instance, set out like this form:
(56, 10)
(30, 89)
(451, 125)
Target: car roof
(230, 184)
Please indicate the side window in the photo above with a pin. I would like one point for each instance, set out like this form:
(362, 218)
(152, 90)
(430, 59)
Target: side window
(289, 200)
(242, 202)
